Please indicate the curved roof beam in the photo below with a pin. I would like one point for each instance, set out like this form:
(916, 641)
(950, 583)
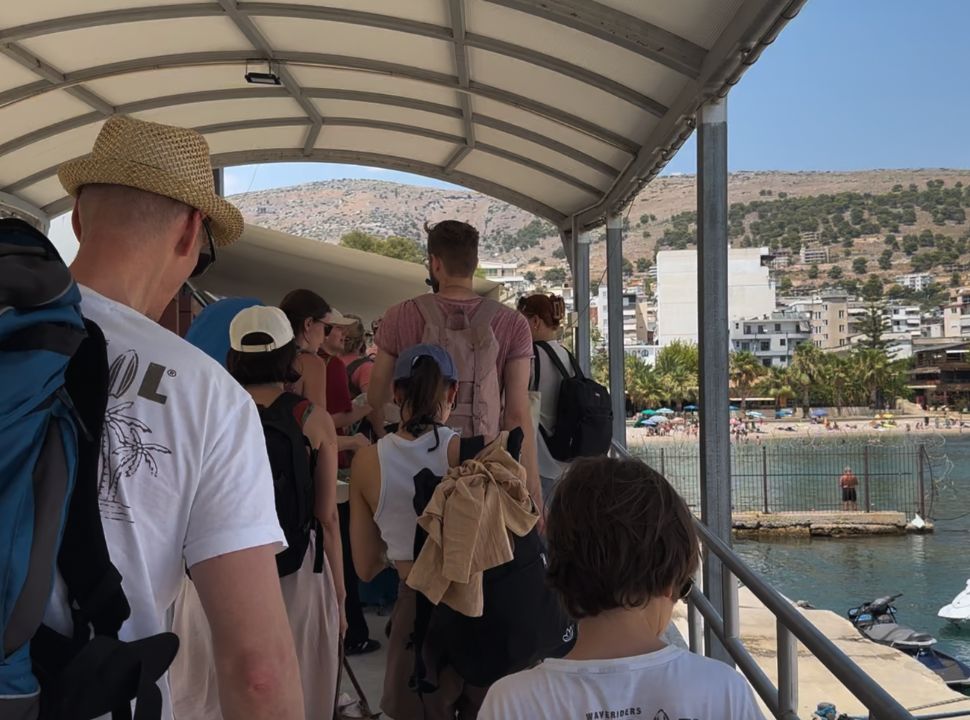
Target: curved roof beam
(241, 14)
(351, 122)
(618, 28)
(342, 62)
(248, 93)
(392, 162)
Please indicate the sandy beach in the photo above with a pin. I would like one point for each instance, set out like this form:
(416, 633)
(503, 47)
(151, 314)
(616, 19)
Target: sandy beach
(792, 428)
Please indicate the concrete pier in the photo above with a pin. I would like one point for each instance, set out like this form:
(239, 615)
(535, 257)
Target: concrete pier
(822, 524)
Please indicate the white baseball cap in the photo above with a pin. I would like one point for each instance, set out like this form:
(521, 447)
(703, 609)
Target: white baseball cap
(260, 319)
(335, 317)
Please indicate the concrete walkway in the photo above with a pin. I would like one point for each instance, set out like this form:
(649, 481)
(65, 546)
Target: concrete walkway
(914, 686)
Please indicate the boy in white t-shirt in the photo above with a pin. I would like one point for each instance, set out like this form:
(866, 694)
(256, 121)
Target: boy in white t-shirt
(622, 551)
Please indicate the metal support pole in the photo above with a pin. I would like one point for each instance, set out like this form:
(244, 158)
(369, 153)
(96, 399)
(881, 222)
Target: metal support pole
(712, 321)
(787, 671)
(920, 453)
(581, 296)
(764, 477)
(865, 478)
(614, 288)
(219, 181)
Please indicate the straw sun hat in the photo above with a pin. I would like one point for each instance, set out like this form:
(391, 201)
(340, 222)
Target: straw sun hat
(161, 159)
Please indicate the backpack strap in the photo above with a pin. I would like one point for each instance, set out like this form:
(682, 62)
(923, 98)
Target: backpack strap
(485, 313)
(298, 409)
(93, 583)
(430, 310)
(554, 357)
(536, 369)
(352, 368)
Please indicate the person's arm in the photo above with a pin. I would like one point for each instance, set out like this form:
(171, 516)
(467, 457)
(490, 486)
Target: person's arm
(346, 419)
(518, 414)
(252, 642)
(324, 436)
(313, 373)
(366, 545)
(379, 390)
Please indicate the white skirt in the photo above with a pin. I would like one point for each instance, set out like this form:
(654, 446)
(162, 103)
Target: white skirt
(311, 605)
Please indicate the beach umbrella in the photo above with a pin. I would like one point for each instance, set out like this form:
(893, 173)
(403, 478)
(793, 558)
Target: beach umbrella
(648, 413)
(734, 408)
(690, 408)
(665, 411)
(754, 414)
(819, 412)
(677, 421)
(654, 421)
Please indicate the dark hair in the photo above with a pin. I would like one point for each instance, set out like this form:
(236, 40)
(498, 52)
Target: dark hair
(549, 308)
(456, 243)
(302, 304)
(257, 368)
(619, 535)
(421, 397)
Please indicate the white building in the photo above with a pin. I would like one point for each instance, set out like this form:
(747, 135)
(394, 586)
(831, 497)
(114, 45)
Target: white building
(772, 338)
(915, 281)
(751, 290)
(629, 315)
(506, 274)
(813, 255)
(905, 319)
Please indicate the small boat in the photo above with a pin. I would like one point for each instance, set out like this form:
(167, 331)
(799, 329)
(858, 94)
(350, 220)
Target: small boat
(876, 620)
(958, 611)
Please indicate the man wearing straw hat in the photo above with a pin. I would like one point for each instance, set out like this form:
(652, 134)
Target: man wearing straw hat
(185, 480)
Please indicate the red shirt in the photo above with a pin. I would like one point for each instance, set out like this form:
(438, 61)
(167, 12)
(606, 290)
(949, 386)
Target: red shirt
(338, 397)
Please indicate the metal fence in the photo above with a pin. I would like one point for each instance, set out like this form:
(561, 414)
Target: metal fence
(803, 478)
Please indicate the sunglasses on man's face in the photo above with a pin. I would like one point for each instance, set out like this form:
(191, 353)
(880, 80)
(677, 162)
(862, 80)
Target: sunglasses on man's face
(206, 258)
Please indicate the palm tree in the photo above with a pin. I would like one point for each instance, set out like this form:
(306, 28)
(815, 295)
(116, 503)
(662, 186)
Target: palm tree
(874, 372)
(777, 384)
(745, 371)
(805, 372)
(676, 372)
(835, 375)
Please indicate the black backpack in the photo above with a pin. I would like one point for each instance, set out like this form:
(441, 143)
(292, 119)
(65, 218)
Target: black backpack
(584, 417)
(292, 464)
(522, 622)
(355, 389)
(55, 404)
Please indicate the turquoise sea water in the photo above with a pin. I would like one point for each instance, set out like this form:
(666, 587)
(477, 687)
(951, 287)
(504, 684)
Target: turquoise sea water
(929, 570)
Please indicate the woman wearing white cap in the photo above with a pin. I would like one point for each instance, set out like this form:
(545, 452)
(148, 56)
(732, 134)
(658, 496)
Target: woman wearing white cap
(261, 357)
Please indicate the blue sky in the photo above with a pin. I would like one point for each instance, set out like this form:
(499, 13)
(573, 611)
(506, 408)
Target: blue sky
(848, 85)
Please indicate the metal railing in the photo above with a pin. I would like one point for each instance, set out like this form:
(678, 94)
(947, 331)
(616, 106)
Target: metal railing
(790, 477)
(792, 627)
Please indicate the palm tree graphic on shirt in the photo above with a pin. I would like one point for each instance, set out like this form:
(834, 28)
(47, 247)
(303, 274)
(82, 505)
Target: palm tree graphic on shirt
(124, 448)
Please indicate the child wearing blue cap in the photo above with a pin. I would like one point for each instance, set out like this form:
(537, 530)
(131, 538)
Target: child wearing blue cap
(383, 519)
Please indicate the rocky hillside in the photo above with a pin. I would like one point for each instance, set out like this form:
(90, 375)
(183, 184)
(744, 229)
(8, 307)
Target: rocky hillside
(851, 212)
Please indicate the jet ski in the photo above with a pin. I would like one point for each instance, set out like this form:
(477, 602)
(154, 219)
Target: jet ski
(958, 611)
(876, 620)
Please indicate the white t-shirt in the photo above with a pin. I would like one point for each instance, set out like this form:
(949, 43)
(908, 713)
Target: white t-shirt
(184, 471)
(549, 380)
(668, 684)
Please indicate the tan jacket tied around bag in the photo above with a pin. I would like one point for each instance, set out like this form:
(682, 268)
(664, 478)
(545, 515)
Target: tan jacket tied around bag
(468, 521)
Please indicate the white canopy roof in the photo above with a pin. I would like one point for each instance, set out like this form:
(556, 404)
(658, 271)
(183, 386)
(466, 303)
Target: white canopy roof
(562, 107)
(268, 264)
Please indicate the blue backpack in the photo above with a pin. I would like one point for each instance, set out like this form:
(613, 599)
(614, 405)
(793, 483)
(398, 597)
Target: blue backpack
(52, 402)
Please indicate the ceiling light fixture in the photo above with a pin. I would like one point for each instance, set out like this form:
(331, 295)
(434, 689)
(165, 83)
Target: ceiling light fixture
(270, 77)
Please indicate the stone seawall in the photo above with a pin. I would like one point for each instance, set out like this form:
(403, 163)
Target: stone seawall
(824, 524)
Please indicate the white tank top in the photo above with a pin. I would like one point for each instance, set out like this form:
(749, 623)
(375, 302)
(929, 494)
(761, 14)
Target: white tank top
(400, 461)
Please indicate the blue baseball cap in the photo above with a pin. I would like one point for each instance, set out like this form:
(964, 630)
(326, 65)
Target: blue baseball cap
(406, 360)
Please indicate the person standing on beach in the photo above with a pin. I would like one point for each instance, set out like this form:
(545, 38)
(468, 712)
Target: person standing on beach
(848, 482)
